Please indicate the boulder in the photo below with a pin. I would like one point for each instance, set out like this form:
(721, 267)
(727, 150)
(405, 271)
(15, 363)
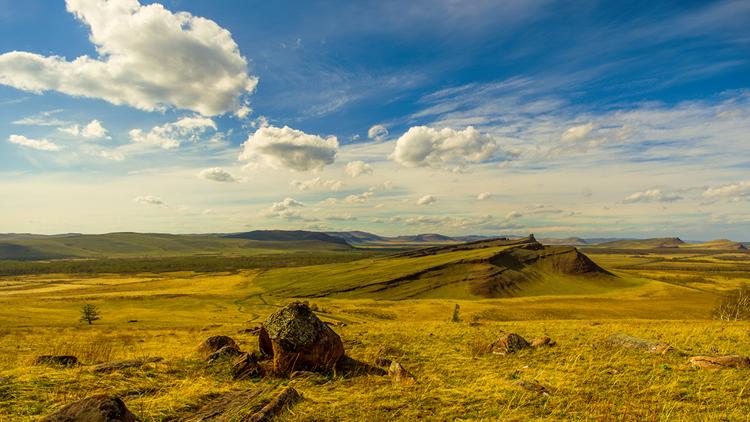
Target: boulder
(246, 366)
(123, 364)
(720, 362)
(60, 360)
(542, 342)
(224, 352)
(99, 408)
(510, 343)
(298, 340)
(214, 344)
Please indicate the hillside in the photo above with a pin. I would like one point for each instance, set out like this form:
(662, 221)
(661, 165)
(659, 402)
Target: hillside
(481, 269)
(719, 244)
(128, 245)
(288, 236)
(660, 242)
(570, 241)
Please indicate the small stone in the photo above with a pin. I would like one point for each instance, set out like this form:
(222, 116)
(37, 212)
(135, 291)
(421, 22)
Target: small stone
(59, 360)
(720, 362)
(224, 352)
(399, 374)
(99, 408)
(510, 343)
(214, 344)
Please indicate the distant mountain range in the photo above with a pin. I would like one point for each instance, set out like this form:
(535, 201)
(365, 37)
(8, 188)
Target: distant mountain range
(16, 246)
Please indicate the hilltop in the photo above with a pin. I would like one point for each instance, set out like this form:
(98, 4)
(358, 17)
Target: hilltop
(481, 269)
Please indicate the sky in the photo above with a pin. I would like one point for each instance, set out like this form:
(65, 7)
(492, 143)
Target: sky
(559, 118)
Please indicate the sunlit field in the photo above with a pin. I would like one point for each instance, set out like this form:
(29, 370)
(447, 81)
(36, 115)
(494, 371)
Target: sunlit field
(662, 298)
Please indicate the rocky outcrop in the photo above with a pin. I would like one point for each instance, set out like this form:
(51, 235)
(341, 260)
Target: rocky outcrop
(298, 340)
(99, 408)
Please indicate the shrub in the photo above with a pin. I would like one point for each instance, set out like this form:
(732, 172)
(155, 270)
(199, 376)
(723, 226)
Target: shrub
(735, 306)
(456, 314)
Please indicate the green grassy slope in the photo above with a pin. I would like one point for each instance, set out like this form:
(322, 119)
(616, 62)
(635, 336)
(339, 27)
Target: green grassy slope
(476, 270)
(127, 245)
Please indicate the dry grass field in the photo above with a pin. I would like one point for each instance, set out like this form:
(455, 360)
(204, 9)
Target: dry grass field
(661, 297)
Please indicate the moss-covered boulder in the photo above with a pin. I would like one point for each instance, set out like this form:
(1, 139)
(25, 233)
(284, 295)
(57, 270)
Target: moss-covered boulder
(298, 340)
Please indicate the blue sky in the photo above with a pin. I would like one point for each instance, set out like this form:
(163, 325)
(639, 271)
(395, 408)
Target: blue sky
(563, 118)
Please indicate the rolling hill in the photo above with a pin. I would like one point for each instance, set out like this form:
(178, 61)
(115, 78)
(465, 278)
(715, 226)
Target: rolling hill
(475, 270)
(660, 242)
(719, 244)
(129, 245)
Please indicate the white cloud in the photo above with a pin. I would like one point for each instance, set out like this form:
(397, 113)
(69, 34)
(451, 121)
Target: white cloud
(172, 135)
(377, 132)
(217, 174)
(93, 130)
(359, 198)
(358, 168)
(149, 200)
(422, 146)
(426, 200)
(289, 148)
(318, 184)
(243, 112)
(42, 119)
(734, 191)
(652, 195)
(148, 58)
(577, 133)
(112, 155)
(288, 209)
(341, 217)
(483, 196)
(513, 215)
(38, 144)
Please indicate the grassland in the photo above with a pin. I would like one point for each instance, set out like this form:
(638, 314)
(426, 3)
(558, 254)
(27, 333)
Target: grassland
(656, 295)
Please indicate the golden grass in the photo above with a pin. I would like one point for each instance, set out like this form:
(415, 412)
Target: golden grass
(169, 314)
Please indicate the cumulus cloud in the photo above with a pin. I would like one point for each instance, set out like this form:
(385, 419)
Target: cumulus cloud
(318, 184)
(93, 130)
(577, 133)
(426, 200)
(735, 191)
(483, 196)
(148, 58)
(288, 209)
(149, 200)
(172, 135)
(359, 198)
(38, 144)
(358, 168)
(652, 195)
(377, 132)
(216, 174)
(289, 148)
(422, 146)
